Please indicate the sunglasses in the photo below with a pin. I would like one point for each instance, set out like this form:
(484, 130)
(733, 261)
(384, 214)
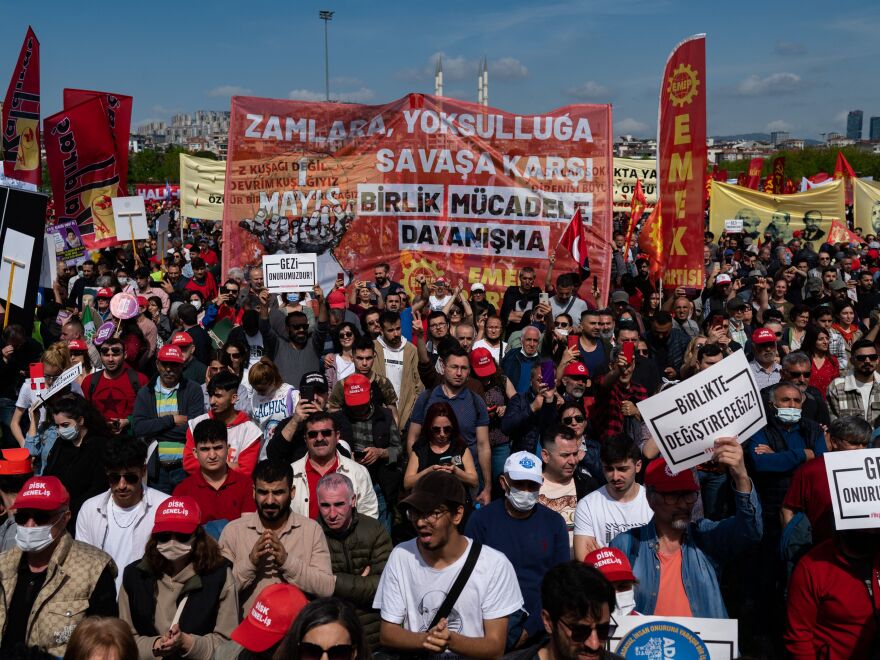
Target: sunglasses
(309, 651)
(111, 351)
(580, 634)
(164, 537)
(864, 358)
(574, 419)
(130, 477)
(298, 326)
(234, 356)
(800, 374)
(41, 518)
(445, 430)
(324, 433)
(346, 335)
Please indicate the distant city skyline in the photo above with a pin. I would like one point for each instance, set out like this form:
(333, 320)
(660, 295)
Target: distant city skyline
(772, 67)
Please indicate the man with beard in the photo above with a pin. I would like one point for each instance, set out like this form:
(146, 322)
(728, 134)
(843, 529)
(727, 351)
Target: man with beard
(565, 301)
(384, 285)
(858, 393)
(113, 389)
(397, 360)
(299, 354)
(275, 544)
(796, 369)
(675, 560)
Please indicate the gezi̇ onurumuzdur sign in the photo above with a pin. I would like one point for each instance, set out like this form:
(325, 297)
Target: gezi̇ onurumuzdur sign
(854, 482)
(722, 401)
(290, 273)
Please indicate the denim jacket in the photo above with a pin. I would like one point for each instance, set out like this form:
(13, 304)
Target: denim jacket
(40, 445)
(705, 546)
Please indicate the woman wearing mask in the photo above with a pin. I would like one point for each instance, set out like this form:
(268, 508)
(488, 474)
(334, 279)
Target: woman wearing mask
(326, 628)
(77, 455)
(555, 340)
(195, 299)
(123, 279)
(824, 366)
(340, 363)
(272, 399)
(180, 599)
(154, 313)
(497, 391)
(615, 566)
(440, 447)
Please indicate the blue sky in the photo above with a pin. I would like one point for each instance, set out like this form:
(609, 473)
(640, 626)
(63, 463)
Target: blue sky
(797, 66)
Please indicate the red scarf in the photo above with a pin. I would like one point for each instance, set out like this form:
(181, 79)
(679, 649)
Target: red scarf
(846, 334)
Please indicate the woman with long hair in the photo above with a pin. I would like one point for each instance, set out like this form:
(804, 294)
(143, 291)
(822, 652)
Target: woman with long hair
(163, 323)
(795, 331)
(689, 362)
(845, 325)
(180, 599)
(341, 363)
(440, 447)
(99, 638)
(778, 297)
(326, 627)
(824, 367)
(137, 348)
(272, 399)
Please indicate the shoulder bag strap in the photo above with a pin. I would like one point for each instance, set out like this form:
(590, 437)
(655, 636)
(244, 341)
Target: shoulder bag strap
(458, 586)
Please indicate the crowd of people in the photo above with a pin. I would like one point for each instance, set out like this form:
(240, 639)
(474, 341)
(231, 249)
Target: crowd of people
(372, 471)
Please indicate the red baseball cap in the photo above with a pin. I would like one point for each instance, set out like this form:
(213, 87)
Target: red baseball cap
(170, 353)
(659, 477)
(181, 339)
(142, 301)
(576, 368)
(482, 362)
(270, 617)
(763, 336)
(43, 494)
(612, 563)
(16, 461)
(105, 293)
(177, 514)
(357, 390)
(77, 345)
(336, 299)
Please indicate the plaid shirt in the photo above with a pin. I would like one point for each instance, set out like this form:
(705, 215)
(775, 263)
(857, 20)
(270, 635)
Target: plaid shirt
(837, 348)
(844, 398)
(613, 400)
(763, 378)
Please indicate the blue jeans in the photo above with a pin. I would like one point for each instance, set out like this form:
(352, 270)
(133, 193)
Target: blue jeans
(168, 479)
(714, 492)
(499, 455)
(384, 513)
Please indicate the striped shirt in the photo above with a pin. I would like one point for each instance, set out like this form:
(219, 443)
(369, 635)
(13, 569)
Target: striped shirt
(166, 404)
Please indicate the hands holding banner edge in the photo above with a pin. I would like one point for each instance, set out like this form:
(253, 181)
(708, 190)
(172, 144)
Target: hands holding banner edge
(729, 452)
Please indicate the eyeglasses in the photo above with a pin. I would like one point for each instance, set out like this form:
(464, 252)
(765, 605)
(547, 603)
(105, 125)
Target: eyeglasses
(800, 374)
(865, 356)
(435, 326)
(324, 433)
(234, 356)
(130, 477)
(309, 651)
(298, 326)
(164, 537)
(233, 292)
(574, 419)
(41, 518)
(686, 496)
(346, 335)
(50, 379)
(431, 518)
(580, 634)
(642, 353)
(444, 430)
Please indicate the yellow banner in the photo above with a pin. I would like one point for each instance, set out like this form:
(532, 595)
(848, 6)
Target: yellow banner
(866, 206)
(808, 213)
(201, 187)
(626, 171)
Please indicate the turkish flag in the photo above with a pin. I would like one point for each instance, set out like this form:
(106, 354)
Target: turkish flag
(574, 239)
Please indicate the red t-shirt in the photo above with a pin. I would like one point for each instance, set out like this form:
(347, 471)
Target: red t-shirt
(314, 477)
(208, 289)
(113, 397)
(233, 498)
(809, 492)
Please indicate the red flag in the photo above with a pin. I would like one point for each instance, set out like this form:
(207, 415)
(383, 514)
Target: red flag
(118, 109)
(742, 179)
(574, 239)
(651, 243)
(842, 167)
(21, 116)
(840, 233)
(768, 185)
(636, 211)
(778, 175)
(754, 176)
(721, 175)
(790, 188)
(82, 166)
(682, 161)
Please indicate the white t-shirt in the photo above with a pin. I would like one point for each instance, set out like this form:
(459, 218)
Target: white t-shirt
(270, 409)
(119, 540)
(496, 351)
(344, 368)
(578, 307)
(410, 592)
(865, 391)
(437, 304)
(394, 363)
(602, 517)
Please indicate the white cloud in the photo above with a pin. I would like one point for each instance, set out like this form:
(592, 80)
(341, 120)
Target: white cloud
(463, 68)
(230, 90)
(589, 91)
(789, 48)
(630, 126)
(508, 68)
(356, 96)
(776, 83)
(778, 125)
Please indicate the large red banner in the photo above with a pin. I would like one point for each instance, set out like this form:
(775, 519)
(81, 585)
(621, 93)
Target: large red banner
(118, 109)
(682, 161)
(81, 155)
(21, 116)
(431, 185)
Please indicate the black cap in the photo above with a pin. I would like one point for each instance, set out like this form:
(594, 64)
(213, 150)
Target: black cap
(434, 490)
(315, 379)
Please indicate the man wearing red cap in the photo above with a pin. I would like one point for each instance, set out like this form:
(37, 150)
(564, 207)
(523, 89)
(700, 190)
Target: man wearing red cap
(49, 581)
(193, 369)
(15, 470)
(614, 565)
(766, 365)
(675, 559)
(102, 303)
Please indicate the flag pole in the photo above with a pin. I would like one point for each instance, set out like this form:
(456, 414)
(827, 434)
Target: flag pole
(12, 264)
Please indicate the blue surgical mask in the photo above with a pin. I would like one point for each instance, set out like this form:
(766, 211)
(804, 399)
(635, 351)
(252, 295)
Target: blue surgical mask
(788, 415)
(68, 432)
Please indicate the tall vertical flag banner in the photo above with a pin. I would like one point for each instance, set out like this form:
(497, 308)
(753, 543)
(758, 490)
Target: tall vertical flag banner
(201, 187)
(843, 170)
(755, 167)
(682, 161)
(777, 176)
(636, 211)
(81, 154)
(866, 206)
(118, 109)
(651, 243)
(21, 116)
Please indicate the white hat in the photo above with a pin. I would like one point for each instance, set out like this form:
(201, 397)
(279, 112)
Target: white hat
(524, 466)
(724, 278)
(477, 286)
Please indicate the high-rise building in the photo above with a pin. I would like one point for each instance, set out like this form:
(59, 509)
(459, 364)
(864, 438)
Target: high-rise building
(854, 125)
(779, 136)
(875, 129)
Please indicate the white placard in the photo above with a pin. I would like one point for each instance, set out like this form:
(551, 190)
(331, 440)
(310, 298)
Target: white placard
(721, 636)
(733, 226)
(722, 401)
(290, 273)
(854, 482)
(20, 248)
(49, 269)
(65, 379)
(130, 215)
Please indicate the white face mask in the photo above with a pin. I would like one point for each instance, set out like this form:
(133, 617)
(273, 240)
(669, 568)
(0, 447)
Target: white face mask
(123, 281)
(197, 304)
(562, 332)
(626, 603)
(33, 539)
(174, 549)
(522, 500)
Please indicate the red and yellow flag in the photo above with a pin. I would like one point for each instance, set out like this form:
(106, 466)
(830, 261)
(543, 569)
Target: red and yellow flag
(682, 162)
(636, 211)
(840, 233)
(21, 116)
(843, 170)
(754, 177)
(651, 244)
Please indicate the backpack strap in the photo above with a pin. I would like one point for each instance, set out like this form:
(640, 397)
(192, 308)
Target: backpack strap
(458, 586)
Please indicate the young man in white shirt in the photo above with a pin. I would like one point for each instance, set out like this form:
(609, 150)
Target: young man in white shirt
(420, 573)
(618, 505)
